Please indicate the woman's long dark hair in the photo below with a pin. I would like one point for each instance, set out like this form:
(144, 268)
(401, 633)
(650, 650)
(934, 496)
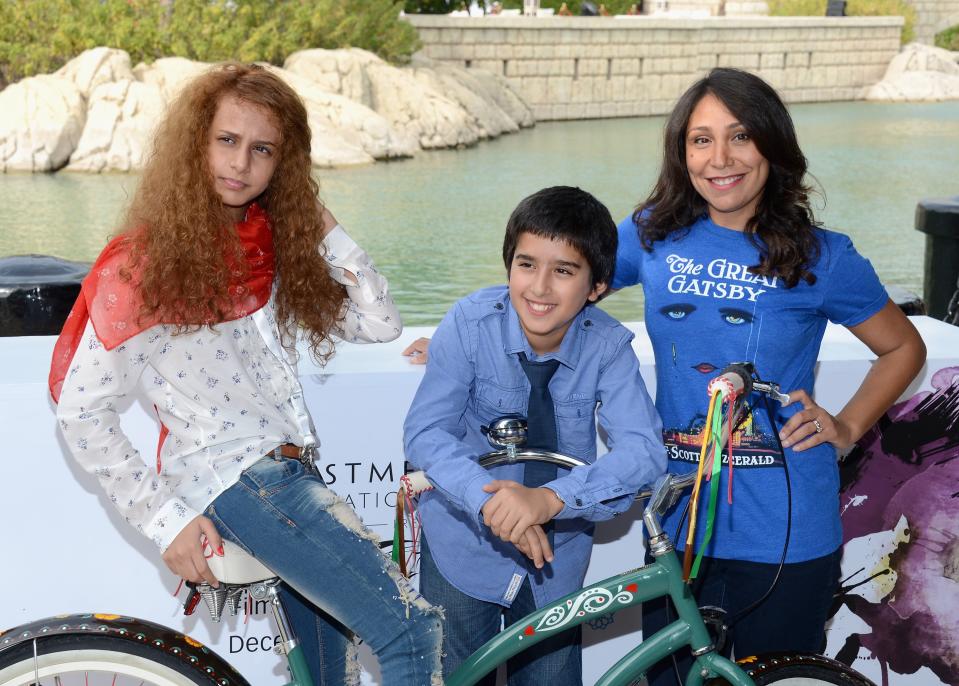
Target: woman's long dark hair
(783, 228)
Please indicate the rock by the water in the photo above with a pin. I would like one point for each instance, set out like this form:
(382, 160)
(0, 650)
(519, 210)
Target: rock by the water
(121, 118)
(99, 114)
(918, 73)
(41, 119)
(169, 74)
(122, 113)
(336, 71)
(350, 123)
(419, 110)
(461, 87)
(95, 66)
(413, 108)
(499, 90)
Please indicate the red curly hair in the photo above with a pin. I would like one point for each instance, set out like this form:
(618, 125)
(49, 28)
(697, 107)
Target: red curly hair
(181, 235)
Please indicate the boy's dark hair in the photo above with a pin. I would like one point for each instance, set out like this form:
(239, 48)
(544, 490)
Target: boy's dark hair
(571, 215)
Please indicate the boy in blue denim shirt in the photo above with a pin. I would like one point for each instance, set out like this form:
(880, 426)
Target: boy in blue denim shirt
(490, 536)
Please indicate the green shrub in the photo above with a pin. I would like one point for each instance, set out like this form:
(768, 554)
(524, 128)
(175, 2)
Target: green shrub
(948, 39)
(797, 8)
(41, 35)
(854, 8)
(886, 8)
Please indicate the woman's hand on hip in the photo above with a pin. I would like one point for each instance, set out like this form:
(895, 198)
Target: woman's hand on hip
(186, 557)
(812, 426)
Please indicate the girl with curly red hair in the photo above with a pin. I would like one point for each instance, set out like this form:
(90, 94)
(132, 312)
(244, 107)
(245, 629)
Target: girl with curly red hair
(195, 308)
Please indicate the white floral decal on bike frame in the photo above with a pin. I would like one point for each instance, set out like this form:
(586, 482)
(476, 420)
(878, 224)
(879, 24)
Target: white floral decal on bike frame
(590, 601)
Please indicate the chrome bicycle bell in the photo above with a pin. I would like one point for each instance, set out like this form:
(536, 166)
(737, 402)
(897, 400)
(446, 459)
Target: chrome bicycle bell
(508, 431)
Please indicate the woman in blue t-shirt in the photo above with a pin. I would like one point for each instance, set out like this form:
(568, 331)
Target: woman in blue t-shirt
(735, 268)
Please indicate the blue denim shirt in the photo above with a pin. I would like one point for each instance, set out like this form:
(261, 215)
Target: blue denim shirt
(472, 377)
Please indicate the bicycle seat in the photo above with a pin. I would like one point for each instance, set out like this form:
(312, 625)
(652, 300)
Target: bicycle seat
(238, 567)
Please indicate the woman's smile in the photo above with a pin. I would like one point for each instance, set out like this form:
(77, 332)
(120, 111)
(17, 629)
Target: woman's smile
(726, 181)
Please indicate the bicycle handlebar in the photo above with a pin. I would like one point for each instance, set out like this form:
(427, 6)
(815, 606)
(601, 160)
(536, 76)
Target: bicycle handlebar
(501, 457)
(508, 433)
(661, 496)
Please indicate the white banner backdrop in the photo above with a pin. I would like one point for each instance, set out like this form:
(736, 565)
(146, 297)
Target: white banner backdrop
(65, 550)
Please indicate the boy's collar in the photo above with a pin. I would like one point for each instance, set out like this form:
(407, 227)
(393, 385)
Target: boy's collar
(570, 350)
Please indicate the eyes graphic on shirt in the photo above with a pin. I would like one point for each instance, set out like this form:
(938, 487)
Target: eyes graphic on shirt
(736, 317)
(677, 311)
(731, 315)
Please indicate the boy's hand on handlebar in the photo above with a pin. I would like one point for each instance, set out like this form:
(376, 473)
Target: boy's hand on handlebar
(185, 557)
(812, 426)
(535, 546)
(417, 351)
(514, 508)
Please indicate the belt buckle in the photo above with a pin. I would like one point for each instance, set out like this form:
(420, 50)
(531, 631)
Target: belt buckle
(308, 457)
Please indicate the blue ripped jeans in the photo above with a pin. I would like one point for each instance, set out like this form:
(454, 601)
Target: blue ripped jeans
(336, 580)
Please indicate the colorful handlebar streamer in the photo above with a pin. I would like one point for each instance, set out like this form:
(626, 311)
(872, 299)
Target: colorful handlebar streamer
(710, 466)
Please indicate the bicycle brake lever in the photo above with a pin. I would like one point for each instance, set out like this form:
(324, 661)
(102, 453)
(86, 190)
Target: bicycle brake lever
(772, 390)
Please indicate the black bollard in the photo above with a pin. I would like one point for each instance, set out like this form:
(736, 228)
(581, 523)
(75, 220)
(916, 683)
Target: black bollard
(939, 220)
(37, 293)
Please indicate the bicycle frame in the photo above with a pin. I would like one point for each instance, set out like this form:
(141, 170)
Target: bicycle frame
(662, 577)
(298, 669)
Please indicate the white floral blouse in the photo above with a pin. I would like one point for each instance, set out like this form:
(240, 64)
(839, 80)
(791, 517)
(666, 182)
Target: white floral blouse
(225, 397)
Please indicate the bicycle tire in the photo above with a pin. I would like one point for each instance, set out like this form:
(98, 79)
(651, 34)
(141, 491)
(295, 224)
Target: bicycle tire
(801, 670)
(120, 652)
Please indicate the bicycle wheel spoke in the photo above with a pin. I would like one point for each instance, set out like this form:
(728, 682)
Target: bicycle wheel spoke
(104, 664)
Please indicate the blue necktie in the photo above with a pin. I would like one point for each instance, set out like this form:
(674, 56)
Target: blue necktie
(541, 419)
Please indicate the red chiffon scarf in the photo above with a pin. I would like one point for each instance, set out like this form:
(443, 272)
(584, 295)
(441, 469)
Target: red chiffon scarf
(113, 304)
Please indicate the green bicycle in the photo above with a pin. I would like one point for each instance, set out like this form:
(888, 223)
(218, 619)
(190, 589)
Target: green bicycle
(111, 650)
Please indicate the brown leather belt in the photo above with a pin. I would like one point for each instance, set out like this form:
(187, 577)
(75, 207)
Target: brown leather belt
(289, 450)
(304, 456)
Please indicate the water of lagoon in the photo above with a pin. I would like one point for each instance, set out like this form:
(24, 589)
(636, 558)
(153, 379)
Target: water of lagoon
(434, 224)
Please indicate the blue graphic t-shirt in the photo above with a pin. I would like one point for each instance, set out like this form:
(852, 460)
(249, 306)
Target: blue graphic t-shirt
(704, 310)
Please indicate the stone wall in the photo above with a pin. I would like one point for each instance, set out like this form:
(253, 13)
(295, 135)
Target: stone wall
(596, 67)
